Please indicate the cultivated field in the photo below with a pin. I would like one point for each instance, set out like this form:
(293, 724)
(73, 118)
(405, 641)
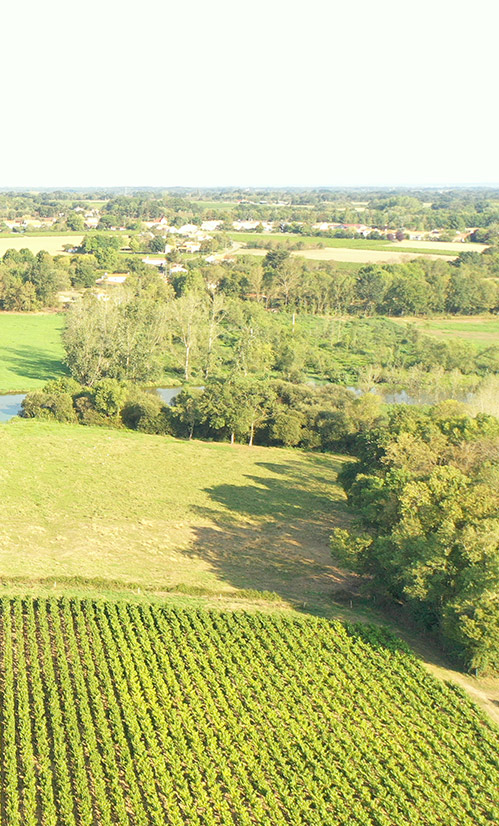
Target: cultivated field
(344, 255)
(30, 350)
(314, 241)
(353, 250)
(358, 256)
(481, 331)
(450, 246)
(116, 714)
(52, 244)
(114, 505)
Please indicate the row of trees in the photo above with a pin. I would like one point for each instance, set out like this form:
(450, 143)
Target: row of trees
(240, 408)
(29, 282)
(426, 489)
(419, 287)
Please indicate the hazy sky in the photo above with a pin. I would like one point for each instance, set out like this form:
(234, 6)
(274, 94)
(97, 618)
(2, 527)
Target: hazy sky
(271, 93)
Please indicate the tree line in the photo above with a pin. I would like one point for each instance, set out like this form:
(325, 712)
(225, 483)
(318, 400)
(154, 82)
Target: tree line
(425, 488)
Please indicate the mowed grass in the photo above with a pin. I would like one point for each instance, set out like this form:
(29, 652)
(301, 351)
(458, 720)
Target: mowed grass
(31, 351)
(480, 331)
(158, 512)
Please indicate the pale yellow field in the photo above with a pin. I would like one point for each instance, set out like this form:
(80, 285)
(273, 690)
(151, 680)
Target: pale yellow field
(453, 246)
(363, 256)
(352, 256)
(50, 243)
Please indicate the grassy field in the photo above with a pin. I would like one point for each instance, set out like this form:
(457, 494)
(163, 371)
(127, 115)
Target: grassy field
(113, 505)
(480, 331)
(30, 350)
(334, 243)
(117, 714)
(49, 242)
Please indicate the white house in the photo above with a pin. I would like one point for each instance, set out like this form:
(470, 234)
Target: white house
(115, 278)
(188, 229)
(155, 262)
(190, 246)
(211, 226)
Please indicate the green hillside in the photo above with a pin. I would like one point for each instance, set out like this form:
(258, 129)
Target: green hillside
(81, 503)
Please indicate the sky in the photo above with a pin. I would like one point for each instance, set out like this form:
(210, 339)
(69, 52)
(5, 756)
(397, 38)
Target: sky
(221, 93)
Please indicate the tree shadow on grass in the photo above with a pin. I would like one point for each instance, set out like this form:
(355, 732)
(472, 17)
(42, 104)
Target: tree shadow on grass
(273, 533)
(32, 364)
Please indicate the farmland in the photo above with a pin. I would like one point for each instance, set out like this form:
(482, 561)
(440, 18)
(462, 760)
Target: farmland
(49, 242)
(30, 350)
(365, 256)
(132, 714)
(353, 250)
(480, 331)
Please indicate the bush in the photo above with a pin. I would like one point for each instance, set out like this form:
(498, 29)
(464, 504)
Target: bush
(146, 413)
(40, 405)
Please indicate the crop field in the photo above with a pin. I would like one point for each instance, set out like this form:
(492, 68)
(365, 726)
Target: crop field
(445, 246)
(365, 256)
(481, 331)
(49, 242)
(353, 250)
(31, 351)
(115, 713)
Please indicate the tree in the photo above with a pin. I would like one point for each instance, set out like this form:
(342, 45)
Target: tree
(109, 397)
(187, 410)
(239, 405)
(75, 222)
(187, 318)
(372, 285)
(216, 315)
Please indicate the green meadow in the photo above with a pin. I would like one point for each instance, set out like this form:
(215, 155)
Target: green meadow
(340, 243)
(161, 513)
(480, 331)
(31, 351)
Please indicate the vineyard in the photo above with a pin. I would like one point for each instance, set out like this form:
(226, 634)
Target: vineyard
(138, 715)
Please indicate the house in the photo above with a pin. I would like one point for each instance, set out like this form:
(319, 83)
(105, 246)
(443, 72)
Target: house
(177, 268)
(361, 229)
(244, 226)
(211, 226)
(324, 226)
(155, 262)
(190, 246)
(188, 229)
(115, 278)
